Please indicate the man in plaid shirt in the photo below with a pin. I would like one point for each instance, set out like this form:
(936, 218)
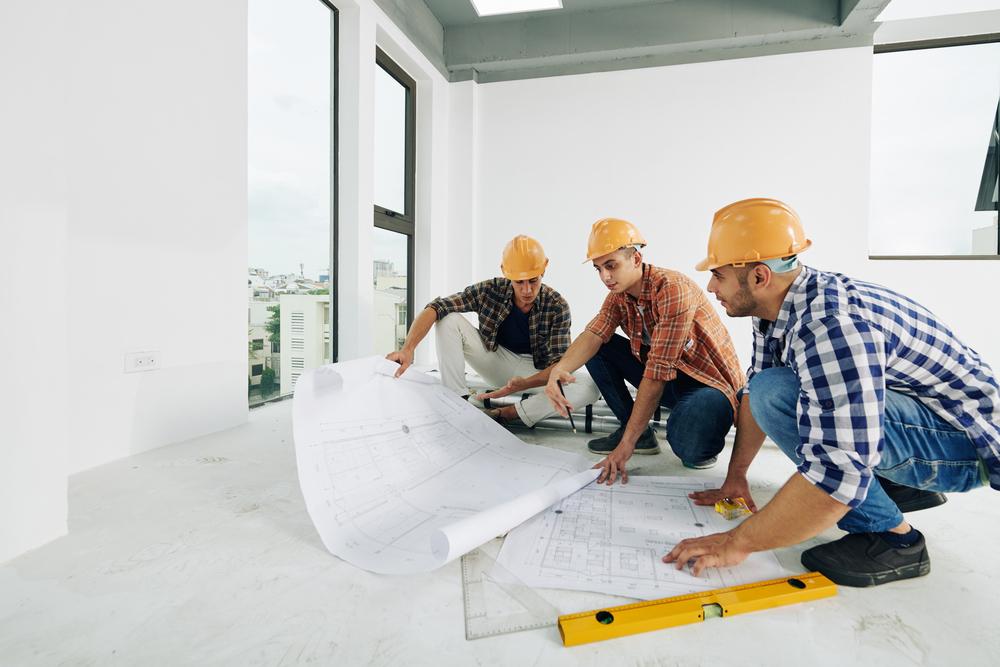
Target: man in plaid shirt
(677, 354)
(876, 401)
(523, 330)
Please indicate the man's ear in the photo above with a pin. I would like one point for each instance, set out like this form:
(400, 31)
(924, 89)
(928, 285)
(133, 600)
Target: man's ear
(637, 258)
(762, 275)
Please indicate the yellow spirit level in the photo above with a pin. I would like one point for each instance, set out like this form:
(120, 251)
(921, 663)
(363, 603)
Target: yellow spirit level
(630, 619)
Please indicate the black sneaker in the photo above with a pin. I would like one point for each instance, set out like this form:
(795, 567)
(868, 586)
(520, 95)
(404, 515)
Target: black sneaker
(646, 445)
(865, 559)
(607, 443)
(908, 499)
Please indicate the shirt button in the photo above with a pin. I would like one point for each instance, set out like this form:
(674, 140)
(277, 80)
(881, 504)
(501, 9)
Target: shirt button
(826, 404)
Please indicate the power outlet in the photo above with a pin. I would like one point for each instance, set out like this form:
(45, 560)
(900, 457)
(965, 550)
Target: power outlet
(140, 362)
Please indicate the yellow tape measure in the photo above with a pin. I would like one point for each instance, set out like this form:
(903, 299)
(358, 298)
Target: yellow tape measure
(630, 619)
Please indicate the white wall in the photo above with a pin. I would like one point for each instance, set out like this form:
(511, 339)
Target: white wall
(363, 26)
(33, 275)
(666, 147)
(156, 125)
(123, 209)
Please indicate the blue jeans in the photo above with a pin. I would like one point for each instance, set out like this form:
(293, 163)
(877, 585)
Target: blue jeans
(700, 416)
(919, 449)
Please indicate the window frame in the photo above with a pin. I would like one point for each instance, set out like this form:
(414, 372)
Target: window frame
(403, 222)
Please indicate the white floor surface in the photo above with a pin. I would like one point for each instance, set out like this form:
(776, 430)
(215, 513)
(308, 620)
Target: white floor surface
(201, 553)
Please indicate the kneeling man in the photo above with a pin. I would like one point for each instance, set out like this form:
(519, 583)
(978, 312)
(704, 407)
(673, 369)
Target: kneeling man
(677, 354)
(879, 405)
(523, 331)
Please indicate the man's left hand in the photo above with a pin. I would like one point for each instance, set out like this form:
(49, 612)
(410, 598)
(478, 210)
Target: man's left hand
(717, 550)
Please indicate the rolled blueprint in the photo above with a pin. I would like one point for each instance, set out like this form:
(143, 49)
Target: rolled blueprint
(387, 465)
(466, 534)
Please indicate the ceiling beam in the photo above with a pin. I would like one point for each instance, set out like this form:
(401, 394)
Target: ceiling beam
(652, 35)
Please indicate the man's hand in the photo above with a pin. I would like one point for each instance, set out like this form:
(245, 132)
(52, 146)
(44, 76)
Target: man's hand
(717, 550)
(514, 385)
(404, 358)
(556, 398)
(614, 465)
(731, 488)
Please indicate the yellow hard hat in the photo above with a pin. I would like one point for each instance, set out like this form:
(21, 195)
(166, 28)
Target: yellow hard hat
(610, 234)
(753, 230)
(523, 259)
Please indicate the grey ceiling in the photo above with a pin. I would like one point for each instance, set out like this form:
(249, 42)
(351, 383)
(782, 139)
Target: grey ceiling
(600, 35)
(460, 12)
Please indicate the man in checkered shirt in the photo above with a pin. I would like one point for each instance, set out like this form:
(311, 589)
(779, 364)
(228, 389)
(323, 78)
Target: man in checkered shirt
(877, 402)
(523, 331)
(676, 353)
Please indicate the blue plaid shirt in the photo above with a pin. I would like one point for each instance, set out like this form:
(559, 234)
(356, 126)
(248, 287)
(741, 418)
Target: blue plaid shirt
(849, 341)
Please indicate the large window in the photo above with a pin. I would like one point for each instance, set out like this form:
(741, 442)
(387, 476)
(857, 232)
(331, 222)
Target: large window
(934, 151)
(291, 183)
(395, 106)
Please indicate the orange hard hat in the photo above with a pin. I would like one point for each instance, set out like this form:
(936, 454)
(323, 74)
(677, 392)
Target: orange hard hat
(753, 230)
(523, 259)
(610, 234)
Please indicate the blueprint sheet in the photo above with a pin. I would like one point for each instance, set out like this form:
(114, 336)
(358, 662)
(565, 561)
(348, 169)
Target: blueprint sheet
(610, 539)
(401, 475)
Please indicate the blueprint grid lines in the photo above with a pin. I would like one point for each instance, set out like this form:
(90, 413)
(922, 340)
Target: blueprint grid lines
(611, 540)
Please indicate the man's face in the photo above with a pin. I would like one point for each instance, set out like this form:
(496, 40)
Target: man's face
(619, 270)
(526, 291)
(731, 288)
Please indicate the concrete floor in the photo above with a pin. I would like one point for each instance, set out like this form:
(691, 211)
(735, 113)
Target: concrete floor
(201, 553)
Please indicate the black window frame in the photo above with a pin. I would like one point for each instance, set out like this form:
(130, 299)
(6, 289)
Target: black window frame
(403, 222)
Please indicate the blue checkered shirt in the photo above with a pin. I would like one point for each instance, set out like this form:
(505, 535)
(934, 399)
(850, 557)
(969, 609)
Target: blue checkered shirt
(849, 341)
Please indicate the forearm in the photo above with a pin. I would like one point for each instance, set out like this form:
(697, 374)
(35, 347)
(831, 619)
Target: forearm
(420, 328)
(799, 511)
(647, 399)
(580, 352)
(749, 438)
(539, 379)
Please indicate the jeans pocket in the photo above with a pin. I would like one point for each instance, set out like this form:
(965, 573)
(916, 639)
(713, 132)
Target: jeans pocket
(943, 476)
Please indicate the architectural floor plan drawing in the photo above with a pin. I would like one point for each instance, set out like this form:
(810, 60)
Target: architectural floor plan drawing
(402, 476)
(611, 540)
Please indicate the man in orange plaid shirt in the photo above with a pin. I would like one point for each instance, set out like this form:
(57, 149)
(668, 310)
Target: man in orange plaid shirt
(677, 354)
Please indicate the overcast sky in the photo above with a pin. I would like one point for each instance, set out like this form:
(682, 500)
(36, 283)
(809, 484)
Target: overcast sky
(289, 146)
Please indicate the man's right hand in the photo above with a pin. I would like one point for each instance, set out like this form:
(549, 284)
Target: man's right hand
(614, 464)
(733, 487)
(404, 358)
(556, 398)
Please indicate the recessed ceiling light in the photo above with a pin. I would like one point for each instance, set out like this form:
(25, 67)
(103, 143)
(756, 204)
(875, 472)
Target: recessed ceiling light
(494, 7)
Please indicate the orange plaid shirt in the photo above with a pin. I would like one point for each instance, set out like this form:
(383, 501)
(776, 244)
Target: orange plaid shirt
(685, 332)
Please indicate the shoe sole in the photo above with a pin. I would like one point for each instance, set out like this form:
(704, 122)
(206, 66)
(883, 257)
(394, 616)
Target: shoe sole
(870, 579)
(925, 503)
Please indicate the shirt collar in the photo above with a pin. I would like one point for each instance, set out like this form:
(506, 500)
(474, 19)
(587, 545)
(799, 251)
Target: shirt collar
(646, 293)
(792, 305)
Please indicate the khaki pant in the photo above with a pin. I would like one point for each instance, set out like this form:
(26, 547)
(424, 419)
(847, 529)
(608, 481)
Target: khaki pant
(459, 342)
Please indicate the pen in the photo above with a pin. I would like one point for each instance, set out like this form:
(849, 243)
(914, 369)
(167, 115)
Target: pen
(559, 382)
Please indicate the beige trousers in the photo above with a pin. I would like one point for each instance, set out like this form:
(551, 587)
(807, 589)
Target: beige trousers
(458, 342)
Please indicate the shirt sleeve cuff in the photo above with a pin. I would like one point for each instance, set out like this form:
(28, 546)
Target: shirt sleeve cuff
(438, 307)
(659, 372)
(849, 487)
(605, 336)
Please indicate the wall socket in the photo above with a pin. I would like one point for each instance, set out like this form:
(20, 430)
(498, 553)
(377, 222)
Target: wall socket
(139, 362)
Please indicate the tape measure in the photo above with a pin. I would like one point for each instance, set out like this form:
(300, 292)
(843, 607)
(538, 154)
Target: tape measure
(629, 619)
(496, 602)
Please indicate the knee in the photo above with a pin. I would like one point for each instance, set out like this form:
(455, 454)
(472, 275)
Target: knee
(587, 389)
(451, 324)
(703, 420)
(774, 395)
